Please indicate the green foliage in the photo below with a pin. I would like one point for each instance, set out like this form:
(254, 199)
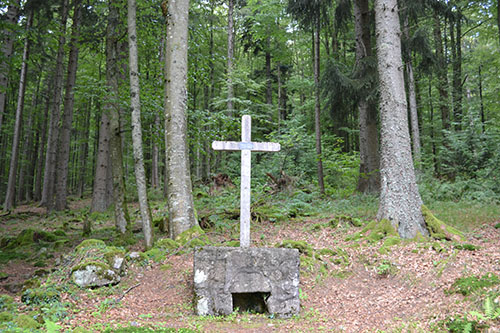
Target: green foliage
(385, 268)
(41, 296)
(6, 303)
(462, 325)
(302, 246)
(472, 284)
(134, 329)
(467, 247)
(491, 309)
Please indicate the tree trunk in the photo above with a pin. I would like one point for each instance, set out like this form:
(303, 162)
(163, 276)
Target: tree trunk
(230, 56)
(135, 104)
(442, 74)
(179, 193)
(41, 148)
(400, 201)
(483, 118)
(155, 158)
(369, 174)
(67, 118)
(55, 115)
(11, 186)
(456, 46)
(269, 81)
(112, 109)
(317, 105)
(431, 123)
(84, 150)
(10, 19)
(412, 98)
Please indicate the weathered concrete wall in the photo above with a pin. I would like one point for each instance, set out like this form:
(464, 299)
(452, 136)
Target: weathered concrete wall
(220, 272)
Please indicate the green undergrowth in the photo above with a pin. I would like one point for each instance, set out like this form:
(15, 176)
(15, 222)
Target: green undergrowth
(474, 284)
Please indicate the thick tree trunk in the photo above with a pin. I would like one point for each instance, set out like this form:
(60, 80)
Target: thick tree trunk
(317, 105)
(112, 109)
(230, 55)
(180, 197)
(135, 104)
(10, 20)
(400, 201)
(55, 116)
(101, 196)
(442, 74)
(11, 186)
(67, 118)
(369, 174)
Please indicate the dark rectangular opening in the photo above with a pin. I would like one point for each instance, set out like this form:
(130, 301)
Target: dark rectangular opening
(250, 302)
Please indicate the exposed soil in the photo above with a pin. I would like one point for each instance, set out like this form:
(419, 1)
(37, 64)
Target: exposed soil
(354, 296)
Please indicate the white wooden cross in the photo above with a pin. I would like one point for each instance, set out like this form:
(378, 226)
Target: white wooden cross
(246, 146)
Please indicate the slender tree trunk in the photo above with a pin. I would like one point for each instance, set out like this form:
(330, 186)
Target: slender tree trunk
(67, 118)
(442, 75)
(230, 55)
(55, 115)
(483, 118)
(431, 123)
(84, 151)
(41, 150)
(412, 99)
(11, 186)
(112, 109)
(10, 20)
(155, 158)
(269, 81)
(317, 104)
(180, 197)
(369, 174)
(135, 104)
(400, 201)
(456, 40)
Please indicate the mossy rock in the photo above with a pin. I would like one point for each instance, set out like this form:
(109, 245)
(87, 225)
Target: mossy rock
(27, 322)
(302, 246)
(3, 276)
(233, 243)
(87, 244)
(466, 247)
(155, 254)
(167, 244)
(6, 316)
(27, 237)
(346, 219)
(31, 284)
(190, 234)
(438, 229)
(60, 233)
(319, 226)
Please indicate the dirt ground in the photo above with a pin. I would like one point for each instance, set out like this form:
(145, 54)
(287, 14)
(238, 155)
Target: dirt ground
(402, 290)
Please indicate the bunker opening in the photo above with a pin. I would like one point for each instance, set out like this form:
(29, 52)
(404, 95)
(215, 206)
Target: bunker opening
(250, 302)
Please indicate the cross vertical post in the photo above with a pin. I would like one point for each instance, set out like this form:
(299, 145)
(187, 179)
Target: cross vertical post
(246, 163)
(246, 146)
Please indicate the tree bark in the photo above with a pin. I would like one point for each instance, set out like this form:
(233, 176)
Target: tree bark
(369, 174)
(10, 20)
(41, 148)
(135, 104)
(67, 118)
(11, 185)
(412, 98)
(400, 201)
(269, 81)
(55, 116)
(317, 104)
(179, 192)
(84, 150)
(442, 74)
(230, 55)
(457, 93)
(112, 109)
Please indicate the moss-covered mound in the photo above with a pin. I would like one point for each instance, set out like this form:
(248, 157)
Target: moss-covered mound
(29, 236)
(97, 264)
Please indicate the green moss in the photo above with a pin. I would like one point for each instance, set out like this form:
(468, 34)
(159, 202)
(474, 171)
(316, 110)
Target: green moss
(497, 226)
(155, 254)
(191, 233)
(6, 316)
(3, 276)
(388, 242)
(60, 233)
(377, 230)
(197, 243)
(111, 252)
(167, 244)
(89, 262)
(318, 226)
(90, 244)
(26, 322)
(232, 244)
(6, 303)
(31, 283)
(438, 229)
(467, 247)
(327, 252)
(302, 246)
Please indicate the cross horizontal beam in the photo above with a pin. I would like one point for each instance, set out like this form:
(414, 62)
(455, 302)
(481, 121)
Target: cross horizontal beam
(252, 146)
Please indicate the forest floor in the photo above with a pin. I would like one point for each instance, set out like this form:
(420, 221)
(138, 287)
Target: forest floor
(412, 287)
